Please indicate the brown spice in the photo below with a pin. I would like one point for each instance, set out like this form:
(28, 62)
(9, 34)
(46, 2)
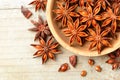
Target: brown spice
(73, 60)
(39, 4)
(41, 28)
(75, 32)
(83, 73)
(65, 13)
(98, 68)
(64, 67)
(99, 38)
(95, 14)
(112, 55)
(115, 66)
(118, 53)
(91, 62)
(110, 61)
(26, 12)
(114, 59)
(46, 49)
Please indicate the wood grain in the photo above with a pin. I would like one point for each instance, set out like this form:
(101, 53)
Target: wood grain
(17, 62)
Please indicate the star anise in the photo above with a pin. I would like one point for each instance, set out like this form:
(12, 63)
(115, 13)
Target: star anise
(46, 49)
(65, 13)
(98, 38)
(115, 3)
(90, 16)
(111, 16)
(71, 1)
(114, 59)
(39, 4)
(81, 2)
(41, 27)
(75, 32)
(103, 3)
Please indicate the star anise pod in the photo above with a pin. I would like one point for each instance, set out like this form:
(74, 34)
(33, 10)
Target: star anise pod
(115, 3)
(82, 2)
(90, 16)
(39, 4)
(103, 3)
(99, 38)
(41, 27)
(71, 1)
(111, 16)
(65, 13)
(75, 32)
(46, 49)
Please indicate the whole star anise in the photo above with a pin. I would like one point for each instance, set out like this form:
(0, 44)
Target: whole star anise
(112, 16)
(39, 4)
(103, 3)
(46, 49)
(82, 2)
(65, 13)
(71, 1)
(75, 32)
(90, 16)
(41, 27)
(99, 38)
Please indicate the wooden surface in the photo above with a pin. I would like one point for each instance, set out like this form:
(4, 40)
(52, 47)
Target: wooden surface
(17, 62)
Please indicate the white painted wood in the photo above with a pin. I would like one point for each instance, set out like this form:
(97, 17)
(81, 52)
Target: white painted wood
(17, 62)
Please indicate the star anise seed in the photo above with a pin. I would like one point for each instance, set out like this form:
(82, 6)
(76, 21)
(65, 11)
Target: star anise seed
(64, 67)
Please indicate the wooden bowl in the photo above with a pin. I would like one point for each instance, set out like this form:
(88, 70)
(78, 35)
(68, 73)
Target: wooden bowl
(64, 41)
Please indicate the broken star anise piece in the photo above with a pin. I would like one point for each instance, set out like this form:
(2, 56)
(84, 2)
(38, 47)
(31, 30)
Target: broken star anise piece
(64, 67)
(41, 27)
(65, 13)
(90, 16)
(112, 16)
(75, 32)
(73, 60)
(39, 4)
(26, 12)
(46, 49)
(99, 38)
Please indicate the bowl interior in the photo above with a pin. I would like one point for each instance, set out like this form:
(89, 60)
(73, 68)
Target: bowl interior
(64, 41)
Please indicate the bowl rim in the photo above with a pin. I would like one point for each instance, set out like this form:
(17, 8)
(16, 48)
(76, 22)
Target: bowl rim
(65, 45)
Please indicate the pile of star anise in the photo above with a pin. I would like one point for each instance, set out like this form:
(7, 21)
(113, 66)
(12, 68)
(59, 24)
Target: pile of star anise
(47, 47)
(96, 21)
